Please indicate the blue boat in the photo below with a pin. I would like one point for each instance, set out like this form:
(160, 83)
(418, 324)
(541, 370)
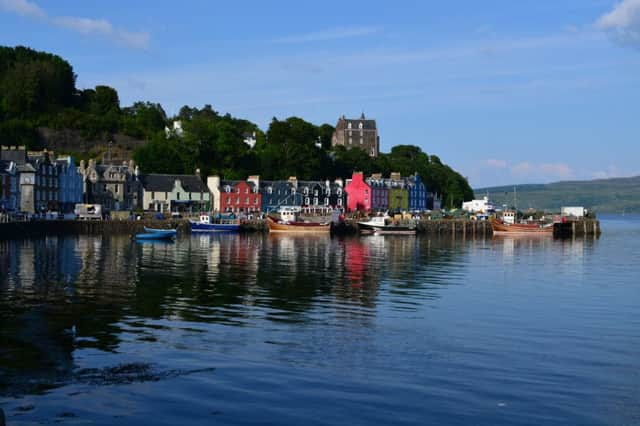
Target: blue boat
(160, 231)
(148, 236)
(221, 224)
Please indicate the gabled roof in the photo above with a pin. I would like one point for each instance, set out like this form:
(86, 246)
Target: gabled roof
(165, 183)
(26, 167)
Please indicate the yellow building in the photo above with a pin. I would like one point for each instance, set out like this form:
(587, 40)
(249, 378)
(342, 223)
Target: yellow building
(398, 193)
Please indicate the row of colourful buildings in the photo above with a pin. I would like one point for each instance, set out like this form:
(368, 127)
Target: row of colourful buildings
(38, 181)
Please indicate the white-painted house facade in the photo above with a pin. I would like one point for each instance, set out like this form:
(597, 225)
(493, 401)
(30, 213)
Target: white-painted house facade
(174, 193)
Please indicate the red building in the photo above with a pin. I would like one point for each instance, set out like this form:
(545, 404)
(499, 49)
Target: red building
(239, 196)
(358, 193)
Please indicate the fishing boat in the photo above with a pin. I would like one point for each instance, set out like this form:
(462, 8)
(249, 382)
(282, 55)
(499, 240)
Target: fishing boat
(384, 225)
(503, 228)
(207, 223)
(290, 222)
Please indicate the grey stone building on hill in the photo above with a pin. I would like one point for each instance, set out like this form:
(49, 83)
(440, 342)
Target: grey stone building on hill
(361, 133)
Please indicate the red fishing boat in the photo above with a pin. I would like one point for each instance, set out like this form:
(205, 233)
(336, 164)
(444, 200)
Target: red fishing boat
(289, 222)
(500, 227)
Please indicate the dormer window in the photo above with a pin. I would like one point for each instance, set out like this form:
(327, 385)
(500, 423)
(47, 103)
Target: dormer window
(360, 125)
(269, 190)
(349, 125)
(227, 188)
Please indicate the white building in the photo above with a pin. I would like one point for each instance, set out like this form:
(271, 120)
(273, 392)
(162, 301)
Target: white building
(250, 139)
(175, 130)
(573, 211)
(478, 206)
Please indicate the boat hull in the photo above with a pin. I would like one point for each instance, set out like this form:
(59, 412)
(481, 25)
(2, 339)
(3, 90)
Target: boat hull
(172, 232)
(392, 230)
(298, 227)
(214, 227)
(520, 229)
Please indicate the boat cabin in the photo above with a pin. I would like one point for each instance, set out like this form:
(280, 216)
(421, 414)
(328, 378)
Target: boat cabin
(509, 217)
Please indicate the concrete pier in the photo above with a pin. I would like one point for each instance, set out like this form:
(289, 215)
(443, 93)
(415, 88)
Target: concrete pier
(577, 228)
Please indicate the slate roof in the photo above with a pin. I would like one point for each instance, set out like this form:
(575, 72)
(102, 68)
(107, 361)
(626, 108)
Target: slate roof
(18, 156)
(164, 183)
(367, 124)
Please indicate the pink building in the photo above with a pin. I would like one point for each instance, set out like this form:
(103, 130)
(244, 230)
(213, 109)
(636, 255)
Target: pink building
(358, 193)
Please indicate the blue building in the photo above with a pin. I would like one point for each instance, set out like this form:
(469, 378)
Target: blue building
(277, 193)
(69, 184)
(417, 193)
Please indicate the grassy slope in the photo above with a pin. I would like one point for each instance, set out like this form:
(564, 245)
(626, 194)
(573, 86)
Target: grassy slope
(603, 195)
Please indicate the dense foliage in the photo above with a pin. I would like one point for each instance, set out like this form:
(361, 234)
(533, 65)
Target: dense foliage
(38, 90)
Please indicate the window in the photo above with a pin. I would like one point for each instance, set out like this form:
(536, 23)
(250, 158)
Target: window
(238, 200)
(339, 192)
(116, 188)
(166, 195)
(227, 188)
(361, 140)
(306, 201)
(153, 195)
(350, 133)
(306, 191)
(315, 201)
(246, 190)
(326, 201)
(349, 125)
(269, 190)
(105, 188)
(246, 200)
(360, 126)
(237, 190)
(361, 133)
(177, 195)
(350, 141)
(190, 196)
(255, 200)
(228, 200)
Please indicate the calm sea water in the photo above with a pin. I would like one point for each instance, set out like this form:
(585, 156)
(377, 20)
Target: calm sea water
(255, 329)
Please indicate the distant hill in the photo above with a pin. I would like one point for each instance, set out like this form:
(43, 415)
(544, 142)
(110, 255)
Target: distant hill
(615, 195)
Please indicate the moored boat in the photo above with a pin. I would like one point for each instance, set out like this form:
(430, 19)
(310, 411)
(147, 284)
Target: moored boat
(384, 225)
(219, 224)
(500, 227)
(158, 236)
(160, 231)
(289, 222)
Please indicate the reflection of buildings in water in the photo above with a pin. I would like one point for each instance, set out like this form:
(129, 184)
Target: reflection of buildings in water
(362, 260)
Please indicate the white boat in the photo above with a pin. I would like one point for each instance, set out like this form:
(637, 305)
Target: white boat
(385, 225)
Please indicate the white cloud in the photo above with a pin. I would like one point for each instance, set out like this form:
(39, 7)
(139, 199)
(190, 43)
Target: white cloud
(23, 8)
(496, 164)
(329, 34)
(84, 26)
(623, 22)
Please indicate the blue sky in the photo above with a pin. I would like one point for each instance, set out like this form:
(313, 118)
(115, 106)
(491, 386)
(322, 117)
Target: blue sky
(504, 91)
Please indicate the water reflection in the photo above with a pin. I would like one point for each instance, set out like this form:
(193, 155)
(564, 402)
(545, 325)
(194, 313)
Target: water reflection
(115, 291)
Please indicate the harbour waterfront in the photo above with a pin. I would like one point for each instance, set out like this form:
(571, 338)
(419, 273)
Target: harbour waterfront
(247, 329)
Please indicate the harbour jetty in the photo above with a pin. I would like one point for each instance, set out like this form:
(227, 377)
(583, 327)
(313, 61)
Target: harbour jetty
(577, 228)
(437, 227)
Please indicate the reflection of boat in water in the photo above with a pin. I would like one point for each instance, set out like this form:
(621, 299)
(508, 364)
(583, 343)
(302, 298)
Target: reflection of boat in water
(503, 228)
(383, 225)
(219, 224)
(289, 222)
